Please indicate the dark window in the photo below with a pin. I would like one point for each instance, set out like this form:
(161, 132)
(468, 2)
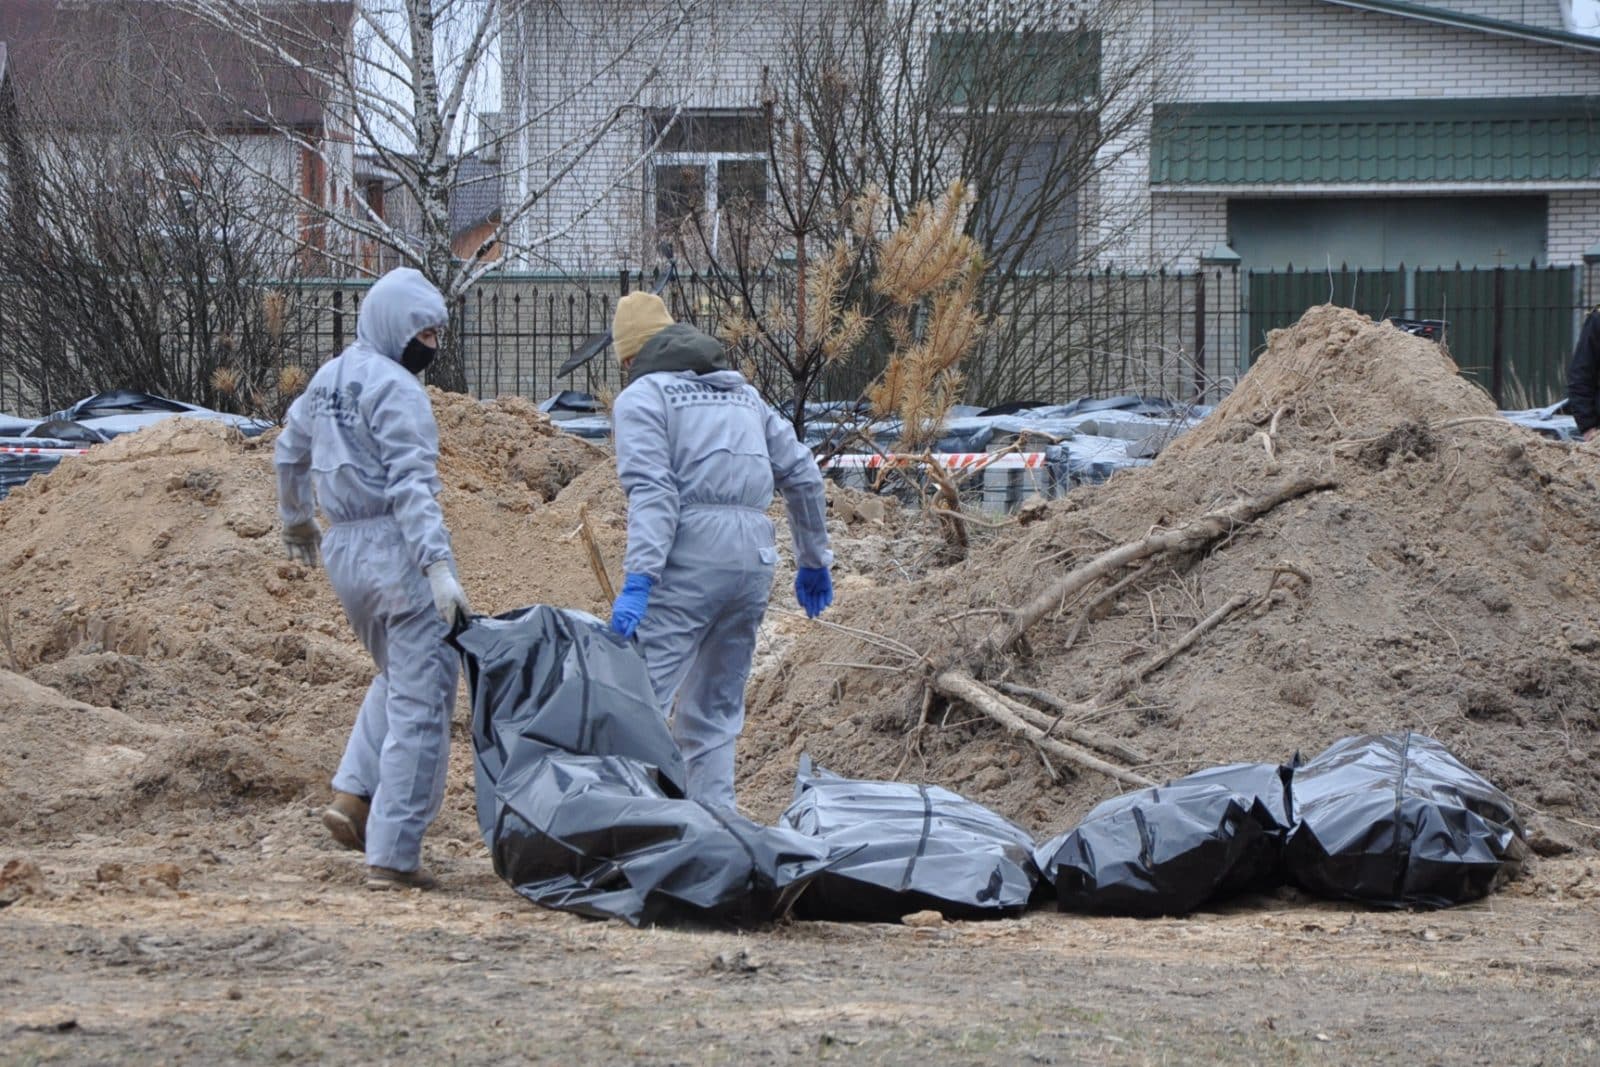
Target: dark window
(1036, 68)
(741, 183)
(707, 165)
(680, 191)
(702, 131)
(1033, 194)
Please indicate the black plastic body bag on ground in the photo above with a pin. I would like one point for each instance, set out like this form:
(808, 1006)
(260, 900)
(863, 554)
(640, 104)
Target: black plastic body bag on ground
(580, 785)
(1396, 820)
(1170, 849)
(911, 848)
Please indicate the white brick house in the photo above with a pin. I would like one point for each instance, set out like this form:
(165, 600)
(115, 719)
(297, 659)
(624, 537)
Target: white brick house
(1404, 75)
(1329, 64)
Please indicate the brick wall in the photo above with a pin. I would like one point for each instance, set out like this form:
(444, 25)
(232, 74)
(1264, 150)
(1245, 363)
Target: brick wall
(1267, 50)
(1574, 226)
(1545, 14)
(593, 218)
(1185, 227)
(1311, 50)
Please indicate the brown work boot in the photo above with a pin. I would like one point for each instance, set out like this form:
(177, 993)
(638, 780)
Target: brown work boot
(389, 878)
(346, 820)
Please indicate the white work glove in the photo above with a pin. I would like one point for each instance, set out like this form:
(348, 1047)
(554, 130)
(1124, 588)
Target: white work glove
(301, 541)
(448, 596)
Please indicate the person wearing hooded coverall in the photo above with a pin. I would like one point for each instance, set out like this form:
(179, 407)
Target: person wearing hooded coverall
(699, 454)
(363, 440)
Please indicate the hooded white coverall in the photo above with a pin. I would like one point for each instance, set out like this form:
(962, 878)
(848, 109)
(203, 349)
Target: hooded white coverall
(699, 455)
(363, 438)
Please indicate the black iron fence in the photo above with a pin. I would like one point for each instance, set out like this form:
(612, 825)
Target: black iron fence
(1511, 329)
(1104, 333)
(1179, 334)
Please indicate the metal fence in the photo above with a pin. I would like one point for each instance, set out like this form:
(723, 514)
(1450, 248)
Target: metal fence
(1511, 329)
(1184, 335)
(1105, 333)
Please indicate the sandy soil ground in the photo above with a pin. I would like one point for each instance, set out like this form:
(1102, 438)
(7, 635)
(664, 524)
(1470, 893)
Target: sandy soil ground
(269, 951)
(177, 695)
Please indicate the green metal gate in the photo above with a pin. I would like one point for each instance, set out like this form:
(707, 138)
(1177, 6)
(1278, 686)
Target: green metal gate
(1511, 329)
(1278, 298)
(1508, 328)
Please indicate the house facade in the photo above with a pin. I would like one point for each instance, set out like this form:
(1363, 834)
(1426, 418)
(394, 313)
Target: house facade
(285, 140)
(1376, 134)
(1368, 132)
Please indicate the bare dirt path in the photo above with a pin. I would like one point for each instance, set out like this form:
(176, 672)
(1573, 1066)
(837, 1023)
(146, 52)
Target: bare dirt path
(270, 952)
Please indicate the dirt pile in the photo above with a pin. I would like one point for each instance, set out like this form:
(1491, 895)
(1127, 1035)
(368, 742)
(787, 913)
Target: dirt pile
(174, 659)
(169, 664)
(1446, 584)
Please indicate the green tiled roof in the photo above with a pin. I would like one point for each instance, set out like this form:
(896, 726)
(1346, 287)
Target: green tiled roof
(1517, 139)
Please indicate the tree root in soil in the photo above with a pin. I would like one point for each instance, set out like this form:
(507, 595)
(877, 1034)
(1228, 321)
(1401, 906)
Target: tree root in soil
(1191, 537)
(960, 681)
(958, 685)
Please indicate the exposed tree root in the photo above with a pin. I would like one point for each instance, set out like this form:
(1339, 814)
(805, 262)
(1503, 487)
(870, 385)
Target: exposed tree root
(958, 685)
(1190, 537)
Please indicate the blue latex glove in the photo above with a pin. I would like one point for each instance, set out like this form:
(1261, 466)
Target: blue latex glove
(813, 588)
(628, 611)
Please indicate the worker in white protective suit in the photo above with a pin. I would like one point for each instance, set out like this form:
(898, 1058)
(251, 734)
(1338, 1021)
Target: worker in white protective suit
(699, 454)
(362, 438)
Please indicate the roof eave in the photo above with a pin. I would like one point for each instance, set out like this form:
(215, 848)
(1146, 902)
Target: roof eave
(1460, 20)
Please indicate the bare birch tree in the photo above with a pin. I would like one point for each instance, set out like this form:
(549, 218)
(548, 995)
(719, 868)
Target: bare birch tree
(412, 78)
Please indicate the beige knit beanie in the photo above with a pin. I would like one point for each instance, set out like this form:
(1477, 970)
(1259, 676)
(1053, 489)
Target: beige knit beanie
(639, 317)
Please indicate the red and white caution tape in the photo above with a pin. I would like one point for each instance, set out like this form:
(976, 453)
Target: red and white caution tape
(958, 461)
(18, 450)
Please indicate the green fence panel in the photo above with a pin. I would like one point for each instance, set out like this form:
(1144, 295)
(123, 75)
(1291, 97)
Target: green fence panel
(1278, 298)
(1536, 324)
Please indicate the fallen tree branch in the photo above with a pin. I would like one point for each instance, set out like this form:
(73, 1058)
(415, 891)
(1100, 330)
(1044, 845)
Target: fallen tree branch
(596, 562)
(1109, 595)
(1119, 688)
(958, 685)
(914, 735)
(1189, 537)
(1058, 723)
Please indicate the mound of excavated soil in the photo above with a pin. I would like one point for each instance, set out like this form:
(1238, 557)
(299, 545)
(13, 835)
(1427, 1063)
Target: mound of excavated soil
(189, 666)
(1448, 586)
(175, 666)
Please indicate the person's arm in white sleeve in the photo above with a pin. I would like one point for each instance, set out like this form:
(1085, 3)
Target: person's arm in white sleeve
(292, 458)
(401, 421)
(799, 479)
(644, 466)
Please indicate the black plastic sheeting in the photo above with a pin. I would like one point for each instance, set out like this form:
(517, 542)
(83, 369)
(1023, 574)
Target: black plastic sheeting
(1391, 820)
(66, 433)
(579, 784)
(17, 468)
(1396, 820)
(120, 402)
(910, 848)
(1170, 849)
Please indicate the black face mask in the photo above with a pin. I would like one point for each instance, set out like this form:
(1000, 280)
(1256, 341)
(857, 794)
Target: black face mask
(416, 356)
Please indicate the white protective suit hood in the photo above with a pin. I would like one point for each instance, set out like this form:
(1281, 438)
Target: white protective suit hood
(400, 305)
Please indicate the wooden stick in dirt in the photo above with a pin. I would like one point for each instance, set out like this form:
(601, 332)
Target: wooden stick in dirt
(958, 685)
(1193, 535)
(1057, 724)
(1167, 655)
(596, 562)
(5, 635)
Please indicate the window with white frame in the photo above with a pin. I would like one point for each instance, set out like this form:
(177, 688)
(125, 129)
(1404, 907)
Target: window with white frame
(706, 165)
